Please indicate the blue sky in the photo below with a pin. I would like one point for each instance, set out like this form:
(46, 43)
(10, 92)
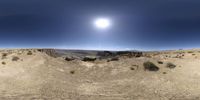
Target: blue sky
(136, 24)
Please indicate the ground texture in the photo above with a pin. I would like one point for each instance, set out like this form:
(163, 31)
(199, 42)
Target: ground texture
(38, 76)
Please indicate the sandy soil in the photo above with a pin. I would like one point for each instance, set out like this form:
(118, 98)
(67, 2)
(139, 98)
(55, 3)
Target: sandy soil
(39, 76)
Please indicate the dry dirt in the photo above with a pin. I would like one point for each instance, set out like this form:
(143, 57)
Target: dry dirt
(39, 76)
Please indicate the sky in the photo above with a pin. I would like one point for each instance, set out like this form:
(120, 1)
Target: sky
(69, 24)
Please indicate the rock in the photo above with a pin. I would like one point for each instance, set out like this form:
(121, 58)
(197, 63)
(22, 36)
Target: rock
(170, 65)
(150, 66)
(50, 52)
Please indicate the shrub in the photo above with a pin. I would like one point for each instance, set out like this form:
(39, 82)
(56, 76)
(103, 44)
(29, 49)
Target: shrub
(15, 58)
(131, 68)
(72, 72)
(170, 65)
(135, 66)
(164, 72)
(160, 62)
(29, 53)
(114, 59)
(69, 58)
(89, 58)
(150, 66)
(190, 52)
(3, 63)
(4, 55)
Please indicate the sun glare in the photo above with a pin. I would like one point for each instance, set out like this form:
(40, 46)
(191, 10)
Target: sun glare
(102, 23)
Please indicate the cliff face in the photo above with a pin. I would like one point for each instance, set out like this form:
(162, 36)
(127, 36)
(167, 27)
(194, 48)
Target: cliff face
(50, 52)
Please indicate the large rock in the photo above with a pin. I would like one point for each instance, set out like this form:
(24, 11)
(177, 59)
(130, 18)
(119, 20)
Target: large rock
(50, 52)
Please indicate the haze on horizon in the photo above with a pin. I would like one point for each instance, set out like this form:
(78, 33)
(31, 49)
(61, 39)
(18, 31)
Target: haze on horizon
(142, 25)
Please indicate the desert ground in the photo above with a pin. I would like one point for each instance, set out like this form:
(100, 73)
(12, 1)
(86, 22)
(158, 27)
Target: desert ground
(50, 74)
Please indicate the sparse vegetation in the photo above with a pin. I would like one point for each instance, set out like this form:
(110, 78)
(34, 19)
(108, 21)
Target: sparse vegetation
(137, 66)
(89, 58)
(193, 54)
(29, 53)
(164, 72)
(3, 63)
(4, 55)
(170, 65)
(190, 51)
(15, 58)
(69, 58)
(132, 68)
(160, 62)
(113, 59)
(72, 72)
(150, 66)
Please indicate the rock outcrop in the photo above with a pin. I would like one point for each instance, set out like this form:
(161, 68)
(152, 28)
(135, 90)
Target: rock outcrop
(50, 52)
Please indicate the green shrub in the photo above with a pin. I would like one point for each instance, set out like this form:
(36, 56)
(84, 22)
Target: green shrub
(150, 66)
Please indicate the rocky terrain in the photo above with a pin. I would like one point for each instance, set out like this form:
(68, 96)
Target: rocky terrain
(50, 74)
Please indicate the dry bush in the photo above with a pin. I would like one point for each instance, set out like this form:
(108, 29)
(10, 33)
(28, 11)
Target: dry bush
(15, 58)
(190, 51)
(29, 53)
(164, 72)
(69, 58)
(132, 68)
(89, 58)
(72, 72)
(160, 62)
(150, 66)
(4, 55)
(170, 65)
(3, 63)
(113, 59)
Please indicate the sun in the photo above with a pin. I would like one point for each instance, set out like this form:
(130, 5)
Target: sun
(102, 23)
